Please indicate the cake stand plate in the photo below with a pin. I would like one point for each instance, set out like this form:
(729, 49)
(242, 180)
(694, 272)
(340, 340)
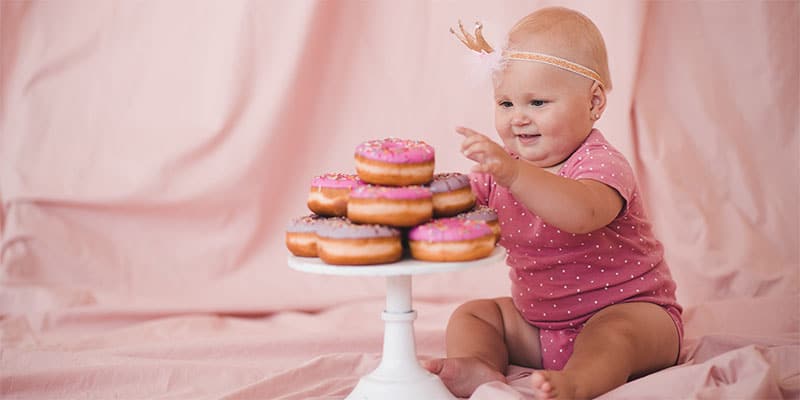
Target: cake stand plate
(399, 376)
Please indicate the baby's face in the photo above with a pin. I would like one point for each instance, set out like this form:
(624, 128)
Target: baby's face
(542, 113)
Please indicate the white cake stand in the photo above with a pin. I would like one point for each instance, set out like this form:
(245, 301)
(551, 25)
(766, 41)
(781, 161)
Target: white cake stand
(399, 376)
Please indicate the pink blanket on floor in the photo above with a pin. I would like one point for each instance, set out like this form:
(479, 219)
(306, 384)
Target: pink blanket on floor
(321, 355)
(151, 154)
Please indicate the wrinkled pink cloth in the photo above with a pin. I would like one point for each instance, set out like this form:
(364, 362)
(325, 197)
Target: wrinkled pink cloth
(295, 356)
(151, 154)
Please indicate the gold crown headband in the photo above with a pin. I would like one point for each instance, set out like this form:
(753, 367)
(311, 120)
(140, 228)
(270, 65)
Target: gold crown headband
(479, 44)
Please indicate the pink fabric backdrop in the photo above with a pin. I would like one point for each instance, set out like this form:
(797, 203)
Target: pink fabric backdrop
(151, 154)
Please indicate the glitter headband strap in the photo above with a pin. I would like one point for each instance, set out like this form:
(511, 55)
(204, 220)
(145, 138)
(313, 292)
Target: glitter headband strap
(554, 61)
(477, 43)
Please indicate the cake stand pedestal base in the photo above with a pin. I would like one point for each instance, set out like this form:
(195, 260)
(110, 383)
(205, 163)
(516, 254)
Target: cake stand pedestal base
(428, 388)
(399, 376)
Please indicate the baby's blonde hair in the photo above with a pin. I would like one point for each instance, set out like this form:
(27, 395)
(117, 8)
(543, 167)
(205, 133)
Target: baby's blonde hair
(564, 33)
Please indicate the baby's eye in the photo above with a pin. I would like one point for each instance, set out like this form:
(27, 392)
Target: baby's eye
(505, 104)
(538, 103)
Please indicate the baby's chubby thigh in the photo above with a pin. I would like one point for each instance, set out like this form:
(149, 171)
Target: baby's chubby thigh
(641, 335)
(510, 330)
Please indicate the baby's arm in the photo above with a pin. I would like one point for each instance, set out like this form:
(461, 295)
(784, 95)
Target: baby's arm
(576, 206)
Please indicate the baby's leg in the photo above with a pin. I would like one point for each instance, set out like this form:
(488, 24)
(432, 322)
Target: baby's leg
(620, 342)
(483, 336)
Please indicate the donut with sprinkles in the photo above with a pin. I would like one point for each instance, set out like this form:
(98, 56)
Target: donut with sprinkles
(329, 193)
(402, 207)
(451, 239)
(345, 243)
(452, 194)
(301, 234)
(395, 162)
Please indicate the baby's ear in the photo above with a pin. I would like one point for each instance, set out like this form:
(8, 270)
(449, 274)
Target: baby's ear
(598, 99)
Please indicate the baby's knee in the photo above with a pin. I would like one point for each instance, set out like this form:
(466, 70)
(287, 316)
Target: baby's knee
(483, 309)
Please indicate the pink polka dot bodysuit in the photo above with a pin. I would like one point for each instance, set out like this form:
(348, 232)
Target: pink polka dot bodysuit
(560, 279)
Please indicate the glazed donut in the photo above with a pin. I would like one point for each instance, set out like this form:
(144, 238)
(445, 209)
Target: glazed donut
(386, 205)
(452, 194)
(451, 239)
(329, 192)
(485, 214)
(395, 162)
(301, 235)
(345, 243)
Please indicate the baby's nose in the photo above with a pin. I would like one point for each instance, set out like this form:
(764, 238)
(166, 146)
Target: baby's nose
(520, 118)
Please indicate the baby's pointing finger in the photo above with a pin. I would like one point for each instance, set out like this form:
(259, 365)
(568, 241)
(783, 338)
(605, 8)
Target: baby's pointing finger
(466, 132)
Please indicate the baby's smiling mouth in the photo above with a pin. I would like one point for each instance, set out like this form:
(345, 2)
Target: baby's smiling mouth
(527, 136)
(527, 139)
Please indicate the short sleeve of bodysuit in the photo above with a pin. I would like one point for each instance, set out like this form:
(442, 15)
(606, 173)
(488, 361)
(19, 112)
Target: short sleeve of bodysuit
(599, 161)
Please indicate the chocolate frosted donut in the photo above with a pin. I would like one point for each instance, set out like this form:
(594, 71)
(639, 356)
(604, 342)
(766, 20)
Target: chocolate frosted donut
(395, 162)
(396, 206)
(342, 242)
(452, 194)
(485, 214)
(329, 193)
(451, 239)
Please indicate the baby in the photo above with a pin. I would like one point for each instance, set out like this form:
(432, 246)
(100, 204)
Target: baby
(592, 303)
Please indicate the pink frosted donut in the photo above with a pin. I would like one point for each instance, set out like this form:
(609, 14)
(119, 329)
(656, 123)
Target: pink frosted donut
(451, 239)
(342, 242)
(395, 206)
(452, 194)
(485, 214)
(329, 193)
(395, 162)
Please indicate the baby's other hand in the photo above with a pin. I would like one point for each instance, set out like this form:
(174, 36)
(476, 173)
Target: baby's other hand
(490, 156)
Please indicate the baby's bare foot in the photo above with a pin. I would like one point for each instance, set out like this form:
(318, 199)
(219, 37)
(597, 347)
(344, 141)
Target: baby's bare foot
(463, 375)
(552, 385)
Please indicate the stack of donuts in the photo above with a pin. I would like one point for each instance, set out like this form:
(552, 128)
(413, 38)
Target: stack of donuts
(395, 205)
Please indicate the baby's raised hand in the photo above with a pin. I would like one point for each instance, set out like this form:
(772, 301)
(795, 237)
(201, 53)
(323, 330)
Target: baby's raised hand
(490, 156)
